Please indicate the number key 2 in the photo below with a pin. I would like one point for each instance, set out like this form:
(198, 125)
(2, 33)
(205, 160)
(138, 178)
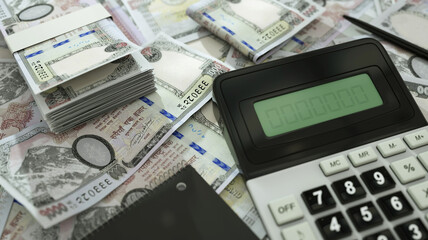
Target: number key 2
(349, 189)
(318, 199)
(333, 226)
(378, 180)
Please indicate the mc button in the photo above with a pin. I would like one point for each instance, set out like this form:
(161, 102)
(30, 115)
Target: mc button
(334, 165)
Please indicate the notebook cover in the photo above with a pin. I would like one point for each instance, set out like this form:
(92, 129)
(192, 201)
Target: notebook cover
(196, 212)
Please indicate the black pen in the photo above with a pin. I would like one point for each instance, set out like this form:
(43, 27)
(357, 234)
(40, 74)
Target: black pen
(389, 37)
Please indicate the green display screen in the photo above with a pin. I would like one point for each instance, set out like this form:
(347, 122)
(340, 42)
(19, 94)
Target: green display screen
(317, 104)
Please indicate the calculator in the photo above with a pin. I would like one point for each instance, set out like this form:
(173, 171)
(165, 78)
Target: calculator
(331, 143)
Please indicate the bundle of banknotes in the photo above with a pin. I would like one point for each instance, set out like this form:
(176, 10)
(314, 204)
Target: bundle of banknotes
(81, 73)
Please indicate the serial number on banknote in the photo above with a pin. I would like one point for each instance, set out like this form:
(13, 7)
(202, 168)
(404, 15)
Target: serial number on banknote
(273, 32)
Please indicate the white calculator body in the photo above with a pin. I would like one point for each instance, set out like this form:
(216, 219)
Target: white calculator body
(331, 143)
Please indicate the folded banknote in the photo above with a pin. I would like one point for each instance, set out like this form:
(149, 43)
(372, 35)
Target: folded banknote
(257, 28)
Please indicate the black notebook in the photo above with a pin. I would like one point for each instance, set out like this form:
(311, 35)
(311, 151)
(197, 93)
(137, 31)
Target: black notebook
(184, 207)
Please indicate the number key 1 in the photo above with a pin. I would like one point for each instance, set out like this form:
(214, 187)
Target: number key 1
(318, 199)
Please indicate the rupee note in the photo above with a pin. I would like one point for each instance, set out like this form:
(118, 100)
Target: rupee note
(237, 60)
(17, 221)
(238, 198)
(168, 16)
(383, 5)
(17, 107)
(212, 46)
(123, 20)
(407, 19)
(5, 206)
(52, 62)
(321, 32)
(197, 143)
(257, 28)
(78, 168)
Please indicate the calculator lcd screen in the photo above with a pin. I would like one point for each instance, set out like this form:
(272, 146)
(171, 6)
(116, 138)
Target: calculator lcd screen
(310, 106)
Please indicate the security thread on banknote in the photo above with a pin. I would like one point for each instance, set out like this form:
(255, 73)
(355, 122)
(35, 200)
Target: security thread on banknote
(257, 28)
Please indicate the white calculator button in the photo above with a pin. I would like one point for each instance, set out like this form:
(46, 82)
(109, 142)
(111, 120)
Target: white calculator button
(419, 194)
(362, 156)
(408, 170)
(417, 139)
(423, 157)
(391, 147)
(298, 231)
(334, 165)
(285, 209)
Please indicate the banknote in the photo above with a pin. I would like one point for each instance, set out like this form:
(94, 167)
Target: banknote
(124, 21)
(237, 60)
(238, 198)
(56, 176)
(5, 206)
(212, 46)
(256, 28)
(403, 14)
(209, 157)
(17, 222)
(17, 107)
(382, 5)
(167, 16)
(323, 30)
(54, 61)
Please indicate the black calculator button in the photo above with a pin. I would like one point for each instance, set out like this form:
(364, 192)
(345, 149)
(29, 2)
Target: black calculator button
(349, 189)
(412, 230)
(318, 199)
(378, 180)
(395, 206)
(365, 216)
(333, 226)
(383, 235)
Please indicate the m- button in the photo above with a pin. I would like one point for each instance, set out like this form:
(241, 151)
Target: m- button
(285, 209)
(417, 139)
(391, 147)
(334, 165)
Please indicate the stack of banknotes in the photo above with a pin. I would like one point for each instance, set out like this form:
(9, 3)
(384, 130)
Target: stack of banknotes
(80, 74)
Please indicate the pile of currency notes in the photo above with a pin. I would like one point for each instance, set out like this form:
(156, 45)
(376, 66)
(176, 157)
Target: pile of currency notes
(80, 74)
(82, 142)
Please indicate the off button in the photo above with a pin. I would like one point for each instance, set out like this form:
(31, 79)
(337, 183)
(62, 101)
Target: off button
(334, 165)
(285, 210)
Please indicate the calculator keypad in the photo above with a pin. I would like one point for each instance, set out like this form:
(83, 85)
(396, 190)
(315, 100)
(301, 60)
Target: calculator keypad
(375, 192)
(349, 189)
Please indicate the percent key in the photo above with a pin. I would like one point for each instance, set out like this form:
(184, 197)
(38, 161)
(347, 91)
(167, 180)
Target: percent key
(408, 170)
